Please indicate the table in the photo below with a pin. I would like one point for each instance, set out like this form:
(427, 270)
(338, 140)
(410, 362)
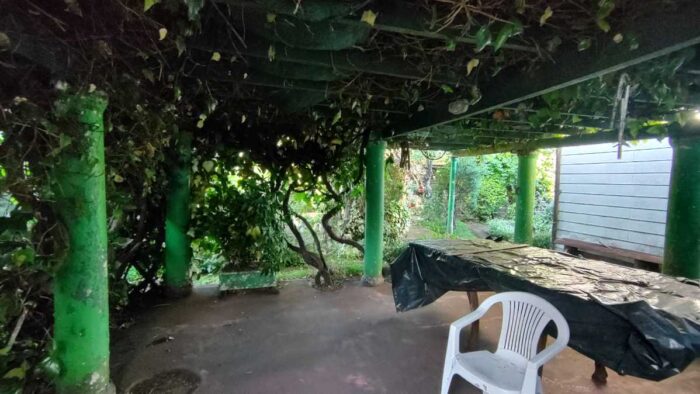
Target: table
(632, 321)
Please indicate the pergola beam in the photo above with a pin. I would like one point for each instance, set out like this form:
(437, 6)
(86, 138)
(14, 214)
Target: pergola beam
(658, 34)
(585, 139)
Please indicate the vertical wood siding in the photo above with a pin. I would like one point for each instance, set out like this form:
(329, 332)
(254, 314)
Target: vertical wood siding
(618, 203)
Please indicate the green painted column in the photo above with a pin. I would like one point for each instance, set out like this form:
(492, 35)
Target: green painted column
(451, 196)
(374, 214)
(525, 203)
(682, 245)
(81, 305)
(177, 243)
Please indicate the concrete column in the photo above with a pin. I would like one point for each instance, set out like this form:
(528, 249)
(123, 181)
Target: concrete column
(682, 244)
(81, 304)
(374, 214)
(177, 243)
(525, 203)
(451, 196)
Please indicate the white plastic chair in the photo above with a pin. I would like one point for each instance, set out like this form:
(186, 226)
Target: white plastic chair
(513, 367)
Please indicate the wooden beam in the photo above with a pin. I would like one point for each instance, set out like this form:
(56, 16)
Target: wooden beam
(659, 33)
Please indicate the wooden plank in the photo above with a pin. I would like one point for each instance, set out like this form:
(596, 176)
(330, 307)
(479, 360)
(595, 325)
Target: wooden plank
(658, 204)
(656, 191)
(615, 234)
(611, 242)
(628, 157)
(606, 222)
(616, 179)
(612, 147)
(646, 215)
(613, 252)
(619, 167)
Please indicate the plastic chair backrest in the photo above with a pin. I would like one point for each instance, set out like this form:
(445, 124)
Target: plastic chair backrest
(524, 318)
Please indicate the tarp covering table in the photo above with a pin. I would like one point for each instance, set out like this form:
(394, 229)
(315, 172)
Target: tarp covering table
(635, 322)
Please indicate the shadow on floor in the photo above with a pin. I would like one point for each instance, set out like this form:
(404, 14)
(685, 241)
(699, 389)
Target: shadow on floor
(306, 341)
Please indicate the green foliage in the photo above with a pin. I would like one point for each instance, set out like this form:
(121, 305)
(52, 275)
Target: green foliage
(542, 232)
(486, 191)
(240, 219)
(492, 198)
(396, 213)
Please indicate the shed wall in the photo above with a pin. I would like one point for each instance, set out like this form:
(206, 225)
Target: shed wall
(617, 203)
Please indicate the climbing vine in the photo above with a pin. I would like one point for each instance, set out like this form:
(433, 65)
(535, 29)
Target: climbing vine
(288, 134)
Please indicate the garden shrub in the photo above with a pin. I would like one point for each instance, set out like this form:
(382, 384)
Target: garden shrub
(492, 198)
(238, 224)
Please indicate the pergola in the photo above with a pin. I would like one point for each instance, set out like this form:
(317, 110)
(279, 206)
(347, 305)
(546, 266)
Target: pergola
(423, 77)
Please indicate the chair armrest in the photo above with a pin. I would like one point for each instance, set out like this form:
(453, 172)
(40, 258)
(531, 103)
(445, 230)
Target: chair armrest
(547, 354)
(464, 321)
(458, 325)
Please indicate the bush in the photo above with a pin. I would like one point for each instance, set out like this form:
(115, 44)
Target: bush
(503, 228)
(542, 237)
(491, 199)
(238, 225)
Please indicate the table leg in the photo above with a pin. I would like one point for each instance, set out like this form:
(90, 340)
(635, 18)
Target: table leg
(600, 375)
(474, 332)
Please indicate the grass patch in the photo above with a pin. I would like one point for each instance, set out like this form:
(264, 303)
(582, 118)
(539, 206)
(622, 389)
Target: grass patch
(438, 230)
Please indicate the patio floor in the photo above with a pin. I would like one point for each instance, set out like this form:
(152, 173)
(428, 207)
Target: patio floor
(305, 341)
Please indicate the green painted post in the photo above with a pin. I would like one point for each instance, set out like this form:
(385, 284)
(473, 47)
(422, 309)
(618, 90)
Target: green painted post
(177, 243)
(374, 214)
(525, 203)
(81, 305)
(451, 196)
(682, 245)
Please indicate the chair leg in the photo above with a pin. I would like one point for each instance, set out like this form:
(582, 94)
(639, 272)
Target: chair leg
(446, 377)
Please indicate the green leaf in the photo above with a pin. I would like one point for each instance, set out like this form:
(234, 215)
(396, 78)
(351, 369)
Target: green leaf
(208, 165)
(605, 7)
(503, 35)
(553, 43)
(472, 65)
(270, 17)
(337, 117)
(584, 44)
(451, 46)
(162, 33)
(483, 38)
(216, 56)
(447, 89)
(4, 41)
(369, 17)
(147, 4)
(22, 256)
(17, 373)
(520, 6)
(546, 15)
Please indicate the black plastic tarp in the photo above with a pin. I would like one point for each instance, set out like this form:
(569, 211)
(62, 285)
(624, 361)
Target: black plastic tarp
(635, 322)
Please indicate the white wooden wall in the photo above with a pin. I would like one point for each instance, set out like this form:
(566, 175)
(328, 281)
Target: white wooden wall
(617, 203)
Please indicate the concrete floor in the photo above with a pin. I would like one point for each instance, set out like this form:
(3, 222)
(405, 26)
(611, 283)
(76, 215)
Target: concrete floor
(307, 341)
